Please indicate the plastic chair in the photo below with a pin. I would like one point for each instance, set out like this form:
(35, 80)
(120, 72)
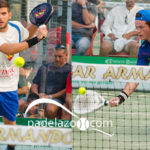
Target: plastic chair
(89, 52)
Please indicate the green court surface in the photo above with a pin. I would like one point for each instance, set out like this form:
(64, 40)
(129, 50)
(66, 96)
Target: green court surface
(129, 123)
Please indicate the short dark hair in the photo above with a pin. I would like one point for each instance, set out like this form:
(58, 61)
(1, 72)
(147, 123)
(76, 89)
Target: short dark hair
(4, 3)
(32, 97)
(148, 23)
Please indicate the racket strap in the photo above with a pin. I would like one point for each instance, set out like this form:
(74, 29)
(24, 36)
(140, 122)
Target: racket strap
(122, 96)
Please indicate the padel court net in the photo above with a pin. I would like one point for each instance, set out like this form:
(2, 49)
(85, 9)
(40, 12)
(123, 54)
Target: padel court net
(126, 127)
(37, 134)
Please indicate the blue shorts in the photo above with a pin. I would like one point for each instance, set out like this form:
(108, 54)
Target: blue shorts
(9, 105)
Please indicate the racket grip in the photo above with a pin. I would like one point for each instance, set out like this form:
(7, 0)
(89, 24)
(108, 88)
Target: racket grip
(41, 26)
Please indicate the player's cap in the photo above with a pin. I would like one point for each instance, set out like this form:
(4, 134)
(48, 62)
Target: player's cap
(143, 15)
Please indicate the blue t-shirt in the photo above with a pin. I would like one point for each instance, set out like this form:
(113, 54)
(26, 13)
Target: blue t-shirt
(144, 54)
(51, 78)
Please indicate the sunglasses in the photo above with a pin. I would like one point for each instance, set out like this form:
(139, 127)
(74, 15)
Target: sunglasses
(126, 20)
(59, 46)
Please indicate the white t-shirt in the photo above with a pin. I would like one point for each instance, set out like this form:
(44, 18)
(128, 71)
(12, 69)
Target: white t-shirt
(9, 73)
(120, 20)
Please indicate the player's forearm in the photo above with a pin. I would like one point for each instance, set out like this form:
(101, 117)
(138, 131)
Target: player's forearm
(10, 49)
(130, 87)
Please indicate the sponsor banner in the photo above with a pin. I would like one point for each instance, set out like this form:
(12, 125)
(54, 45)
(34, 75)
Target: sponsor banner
(21, 135)
(104, 60)
(118, 73)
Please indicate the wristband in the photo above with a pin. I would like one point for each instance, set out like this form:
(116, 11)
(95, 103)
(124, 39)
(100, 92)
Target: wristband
(122, 96)
(84, 7)
(32, 41)
(50, 96)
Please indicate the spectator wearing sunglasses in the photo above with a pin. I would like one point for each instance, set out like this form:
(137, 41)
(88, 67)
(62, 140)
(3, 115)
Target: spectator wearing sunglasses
(50, 81)
(120, 31)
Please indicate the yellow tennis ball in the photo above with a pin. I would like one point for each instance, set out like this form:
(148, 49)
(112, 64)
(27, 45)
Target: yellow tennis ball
(82, 90)
(19, 62)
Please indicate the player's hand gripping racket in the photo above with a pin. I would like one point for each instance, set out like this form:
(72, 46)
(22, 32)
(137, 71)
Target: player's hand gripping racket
(89, 102)
(41, 14)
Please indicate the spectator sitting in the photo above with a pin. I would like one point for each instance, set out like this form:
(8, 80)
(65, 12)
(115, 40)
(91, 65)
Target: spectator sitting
(83, 17)
(50, 81)
(120, 32)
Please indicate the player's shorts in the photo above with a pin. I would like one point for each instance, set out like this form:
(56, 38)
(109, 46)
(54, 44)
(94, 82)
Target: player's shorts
(9, 105)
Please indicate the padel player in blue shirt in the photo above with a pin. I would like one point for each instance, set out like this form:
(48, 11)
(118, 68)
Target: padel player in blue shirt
(143, 27)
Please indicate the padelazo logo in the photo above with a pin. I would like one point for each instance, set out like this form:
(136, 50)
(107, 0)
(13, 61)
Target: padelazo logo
(82, 123)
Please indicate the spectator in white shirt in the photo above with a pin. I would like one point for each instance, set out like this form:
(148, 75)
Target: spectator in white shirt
(120, 31)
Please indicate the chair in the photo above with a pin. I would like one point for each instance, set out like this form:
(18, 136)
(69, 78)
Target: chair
(117, 54)
(89, 52)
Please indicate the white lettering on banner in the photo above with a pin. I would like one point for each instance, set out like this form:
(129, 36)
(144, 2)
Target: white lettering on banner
(35, 136)
(100, 72)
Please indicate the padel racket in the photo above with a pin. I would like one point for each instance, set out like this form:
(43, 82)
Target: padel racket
(89, 102)
(41, 14)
